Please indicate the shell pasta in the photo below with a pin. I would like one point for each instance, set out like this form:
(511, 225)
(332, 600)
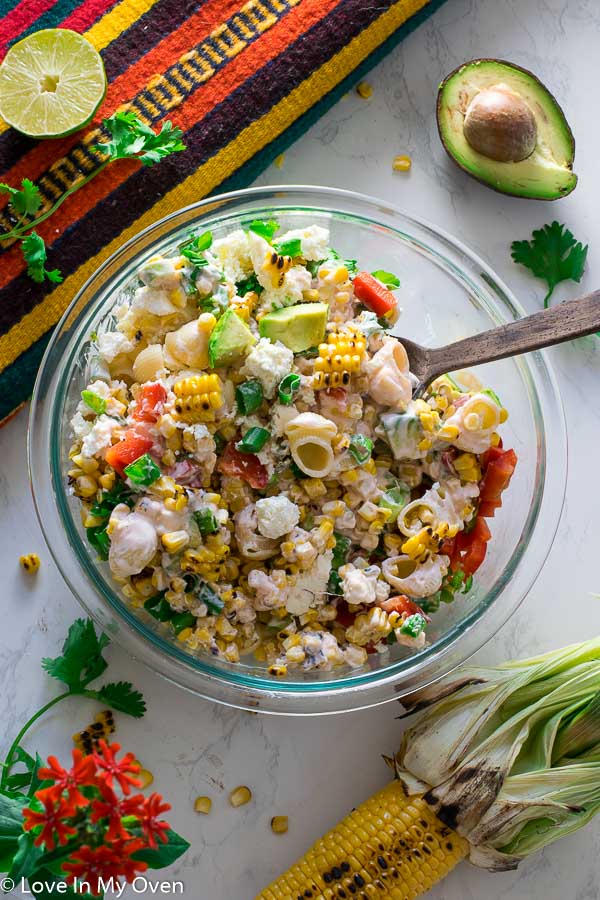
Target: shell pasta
(253, 469)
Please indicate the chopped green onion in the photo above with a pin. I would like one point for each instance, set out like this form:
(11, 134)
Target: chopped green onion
(253, 441)
(251, 283)
(99, 539)
(206, 521)
(414, 625)
(360, 448)
(468, 585)
(220, 442)
(143, 471)
(334, 585)
(248, 396)
(291, 248)
(211, 598)
(193, 249)
(182, 620)
(490, 393)
(340, 551)
(95, 402)
(386, 278)
(395, 499)
(265, 230)
(391, 638)
(288, 387)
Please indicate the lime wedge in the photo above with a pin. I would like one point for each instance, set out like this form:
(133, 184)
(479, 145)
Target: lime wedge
(51, 83)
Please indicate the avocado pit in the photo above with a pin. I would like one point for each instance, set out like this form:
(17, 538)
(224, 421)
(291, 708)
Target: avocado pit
(500, 125)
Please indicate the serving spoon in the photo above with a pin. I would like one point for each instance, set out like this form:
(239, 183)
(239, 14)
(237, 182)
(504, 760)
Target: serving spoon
(563, 322)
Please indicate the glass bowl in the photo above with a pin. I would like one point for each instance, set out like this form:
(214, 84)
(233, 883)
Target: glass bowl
(447, 293)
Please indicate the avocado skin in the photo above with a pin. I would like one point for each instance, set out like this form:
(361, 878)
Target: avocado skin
(567, 128)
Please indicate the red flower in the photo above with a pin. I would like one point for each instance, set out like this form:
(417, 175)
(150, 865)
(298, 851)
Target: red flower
(82, 772)
(93, 864)
(52, 820)
(114, 809)
(117, 769)
(152, 827)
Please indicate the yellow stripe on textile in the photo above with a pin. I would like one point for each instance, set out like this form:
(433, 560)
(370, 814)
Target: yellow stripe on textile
(253, 138)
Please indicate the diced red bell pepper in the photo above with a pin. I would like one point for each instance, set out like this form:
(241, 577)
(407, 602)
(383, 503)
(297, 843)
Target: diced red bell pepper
(149, 402)
(487, 508)
(243, 465)
(130, 448)
(373, 294)
(481, 530)
(473, 556)
(470, 547)
(498, 473)
(400, 604)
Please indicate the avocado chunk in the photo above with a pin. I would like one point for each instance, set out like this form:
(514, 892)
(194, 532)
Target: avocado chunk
(502, 126)
(298, 327)
(230, 339)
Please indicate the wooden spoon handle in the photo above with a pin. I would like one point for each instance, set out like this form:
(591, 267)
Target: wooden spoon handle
(567, 320)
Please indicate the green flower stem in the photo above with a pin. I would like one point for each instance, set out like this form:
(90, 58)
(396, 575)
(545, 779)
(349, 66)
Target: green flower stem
(8, 761)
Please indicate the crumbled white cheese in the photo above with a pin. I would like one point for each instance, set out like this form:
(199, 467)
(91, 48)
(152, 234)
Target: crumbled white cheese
(113, 344)
(276, 516)
(233, 255)
(80, 426)
(100, 436)
(154, 301)
(314, 241)
(281, 415)
(310, 587)
(269, 363)
(133, 541)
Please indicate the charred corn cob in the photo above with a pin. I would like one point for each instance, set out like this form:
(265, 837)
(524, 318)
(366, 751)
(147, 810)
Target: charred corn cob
(197, 398)
(276, 266)
(338, 359)
(392, 847)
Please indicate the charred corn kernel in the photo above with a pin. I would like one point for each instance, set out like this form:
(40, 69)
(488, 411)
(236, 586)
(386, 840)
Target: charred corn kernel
(310, 296)
(206, 323)
(103, 725)
(276, 266)
(401, 163)
(425, 444)
(349, 477)
(467, 466)
(393, 543)
(369, 467)
(364, 90)
(146, 778)
(228, 430)
(92, 521)
(335, 509)
(278, 670)
(370, 626)
(495, 439)
(368, 511)
(314, 487)
(86, 464)
(175, 541)
(177, 297)
(206, 560)
(179, 501)
(295, 655)
(338, 359)
(349, 861)
(202, 805)
(30, 563)
(244, 306)
(86, 486)
(197, 398)
(240, 795)
(419, 545)
(168, 458)
(279, 824)
(448, 433)
(185, 634)
(503, 415)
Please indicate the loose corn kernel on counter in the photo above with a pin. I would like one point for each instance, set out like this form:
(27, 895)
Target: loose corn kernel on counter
(253, 468)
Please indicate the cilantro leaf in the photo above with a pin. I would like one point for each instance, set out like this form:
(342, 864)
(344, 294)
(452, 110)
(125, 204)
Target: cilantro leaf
(553, 254)
(121, 695)
(251, 283)
(264, 230)
(291, 248)
(34, 254)
(26, 201)
(390, 281)
(81, 660)
(193, 249)
(130, 138)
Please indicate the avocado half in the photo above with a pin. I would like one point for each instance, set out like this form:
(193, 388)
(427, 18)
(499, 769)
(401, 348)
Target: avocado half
(502, 126)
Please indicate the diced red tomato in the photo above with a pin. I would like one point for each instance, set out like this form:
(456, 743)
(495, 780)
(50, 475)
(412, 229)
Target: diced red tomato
(130, 448)
(497, 476)
(473, 556)
(400, 604)
(373, 294)
(243, 465)
(149, 402)
(344, 617)
(480, 531)
(487, 508)
(470, 547)
(448, 547)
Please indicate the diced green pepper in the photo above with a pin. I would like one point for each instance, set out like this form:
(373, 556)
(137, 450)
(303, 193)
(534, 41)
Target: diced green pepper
(95, 402)
(248, 397)
(360, 448)
(253, 441)
(395, 499)
(414, 625)
(288, 386)
(143, 471)
(206, 521)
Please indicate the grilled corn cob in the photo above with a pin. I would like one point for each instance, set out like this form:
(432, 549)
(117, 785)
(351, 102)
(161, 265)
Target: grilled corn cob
(338, 359)
(392, 847)
(197, 398)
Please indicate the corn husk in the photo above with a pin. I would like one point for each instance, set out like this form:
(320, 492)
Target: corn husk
(509, 756)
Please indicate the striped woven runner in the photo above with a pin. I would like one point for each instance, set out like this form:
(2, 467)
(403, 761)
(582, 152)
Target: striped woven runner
(241, 80)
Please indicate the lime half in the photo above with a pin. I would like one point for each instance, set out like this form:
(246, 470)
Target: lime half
(51, 83)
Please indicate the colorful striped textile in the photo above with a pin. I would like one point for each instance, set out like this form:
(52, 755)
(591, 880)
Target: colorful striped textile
(241, 80)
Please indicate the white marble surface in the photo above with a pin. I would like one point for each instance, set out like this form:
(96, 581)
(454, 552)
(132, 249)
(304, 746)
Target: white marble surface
(316, 770)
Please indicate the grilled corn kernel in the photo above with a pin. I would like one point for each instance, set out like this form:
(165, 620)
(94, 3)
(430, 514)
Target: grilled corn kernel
(364, 90)
(146, 778)
(107, 480)
(197, 398)
(448, 433)
(503, 415)
(86, 464)
(175, 541)
(314, 487)
(401, 163)
(86, 486)
(30, 563)
(240, 795)
(203, 805)
(276, 266)
(278, 670)
(244, 306)
(279, 824)
(310, 296)
(102, 726)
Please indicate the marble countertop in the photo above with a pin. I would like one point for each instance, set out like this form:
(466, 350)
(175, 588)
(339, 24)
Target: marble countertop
(315, 770)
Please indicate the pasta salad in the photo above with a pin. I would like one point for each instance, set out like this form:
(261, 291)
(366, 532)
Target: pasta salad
(252, 464)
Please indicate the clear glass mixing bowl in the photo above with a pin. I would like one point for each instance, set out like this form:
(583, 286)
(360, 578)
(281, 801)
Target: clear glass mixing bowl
(447, 293)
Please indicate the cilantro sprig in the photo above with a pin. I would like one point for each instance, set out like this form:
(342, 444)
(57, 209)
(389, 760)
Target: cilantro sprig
(128, 138)
(80, 663)
(553, 255)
